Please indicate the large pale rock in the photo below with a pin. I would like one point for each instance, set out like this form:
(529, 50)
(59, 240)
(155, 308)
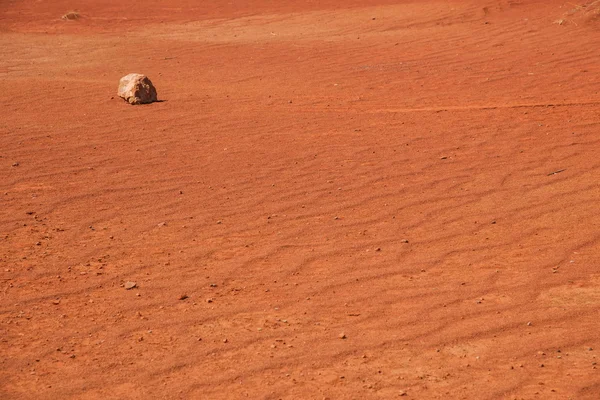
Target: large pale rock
(137, 89)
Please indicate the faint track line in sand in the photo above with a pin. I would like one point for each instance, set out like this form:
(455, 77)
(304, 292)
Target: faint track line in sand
(464, 108)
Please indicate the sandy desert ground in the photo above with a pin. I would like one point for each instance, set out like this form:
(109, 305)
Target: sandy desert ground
(335, 200)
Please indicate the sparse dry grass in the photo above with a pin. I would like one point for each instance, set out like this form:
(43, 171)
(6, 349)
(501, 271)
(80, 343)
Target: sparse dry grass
(589, 11)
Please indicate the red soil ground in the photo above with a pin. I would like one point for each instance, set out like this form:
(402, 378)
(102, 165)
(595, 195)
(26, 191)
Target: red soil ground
(360, 200)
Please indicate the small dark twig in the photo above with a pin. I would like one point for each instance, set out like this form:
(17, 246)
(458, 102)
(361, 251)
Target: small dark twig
(557, 172)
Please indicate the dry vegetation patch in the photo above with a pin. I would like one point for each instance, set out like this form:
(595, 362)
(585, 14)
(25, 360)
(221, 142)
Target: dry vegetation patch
(588, 12)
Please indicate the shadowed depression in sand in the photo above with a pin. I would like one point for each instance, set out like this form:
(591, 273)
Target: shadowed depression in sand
(334, 200)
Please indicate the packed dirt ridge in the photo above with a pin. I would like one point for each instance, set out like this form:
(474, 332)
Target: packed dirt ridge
(332, 200)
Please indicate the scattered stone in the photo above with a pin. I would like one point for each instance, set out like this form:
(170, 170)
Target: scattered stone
(403, 393)
(183, 296)
(137, 89)
(209, 300)
(15, 164)
(130, 285)
(404, 241)
(56, 302)
(529, 324)
(225, 341)
(71, 16)
(342, 336)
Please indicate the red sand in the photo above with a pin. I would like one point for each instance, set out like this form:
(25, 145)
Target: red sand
(299, 146)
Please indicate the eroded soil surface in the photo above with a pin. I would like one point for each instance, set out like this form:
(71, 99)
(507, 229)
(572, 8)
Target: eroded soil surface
(334, 200)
